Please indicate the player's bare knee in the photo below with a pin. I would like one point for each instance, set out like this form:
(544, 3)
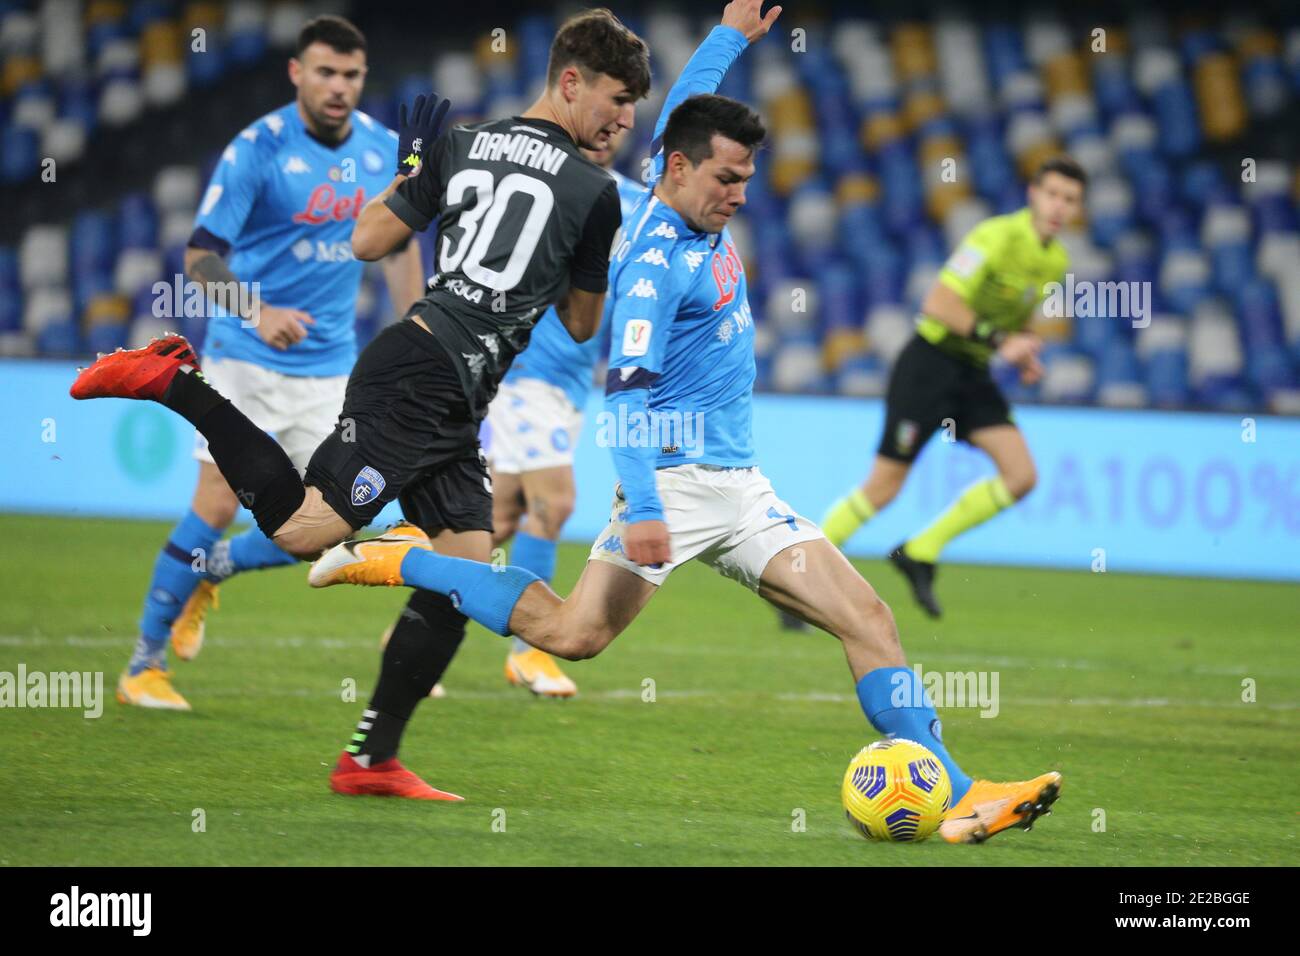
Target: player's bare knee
(578, 641)
(550, 512)
(875, 624)
(304, 543)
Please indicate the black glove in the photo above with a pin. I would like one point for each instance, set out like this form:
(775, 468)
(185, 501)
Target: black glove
(417, 128)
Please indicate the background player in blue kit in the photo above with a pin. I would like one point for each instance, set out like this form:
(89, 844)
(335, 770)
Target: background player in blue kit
(278, 212)
(534, 422)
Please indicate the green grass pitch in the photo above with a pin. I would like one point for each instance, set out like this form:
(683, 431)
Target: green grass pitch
(1130, 686)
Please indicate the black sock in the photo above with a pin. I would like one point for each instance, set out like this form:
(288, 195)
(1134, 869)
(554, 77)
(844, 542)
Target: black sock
(253, 463)
(423, 643)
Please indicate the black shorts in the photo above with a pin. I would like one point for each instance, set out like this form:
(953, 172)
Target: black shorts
(927, 386)
(405, 432)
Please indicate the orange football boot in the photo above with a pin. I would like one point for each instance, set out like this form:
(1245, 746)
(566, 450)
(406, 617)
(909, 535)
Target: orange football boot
(989, 808)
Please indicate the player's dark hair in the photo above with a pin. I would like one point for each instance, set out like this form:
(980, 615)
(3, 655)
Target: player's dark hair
(692, 125)
(338, 33)
(1065, 166)
(595, 41)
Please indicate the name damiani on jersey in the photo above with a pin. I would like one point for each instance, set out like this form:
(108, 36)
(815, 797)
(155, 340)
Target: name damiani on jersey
(518, 148)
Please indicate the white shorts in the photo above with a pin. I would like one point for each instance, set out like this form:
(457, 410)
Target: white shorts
(728, 518)
(299, 411)
(531, 425)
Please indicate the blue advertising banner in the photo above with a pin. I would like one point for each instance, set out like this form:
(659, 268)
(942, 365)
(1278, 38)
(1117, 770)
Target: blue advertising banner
(1177, 493)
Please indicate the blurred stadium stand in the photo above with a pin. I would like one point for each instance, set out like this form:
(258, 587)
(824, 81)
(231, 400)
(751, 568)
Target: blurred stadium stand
(847, 222)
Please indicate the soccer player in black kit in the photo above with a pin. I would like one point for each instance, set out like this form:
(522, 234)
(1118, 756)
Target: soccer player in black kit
(524, 221)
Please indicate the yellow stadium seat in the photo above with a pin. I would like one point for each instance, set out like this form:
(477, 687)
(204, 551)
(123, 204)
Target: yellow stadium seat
(1027, 163)
(489, 59)
(920, 107)
(791, 112)
(1058, 329)
(1258, 43)
(880, 129)
(160, 44)
(205, 15)
(943, 196)
(104, 11)
(856, 188)
(107, 308)
(17, 71)
(841, 345)
(790, 172)
(1219, 98)
(912, 51)
(935, 149)
(1065, 74)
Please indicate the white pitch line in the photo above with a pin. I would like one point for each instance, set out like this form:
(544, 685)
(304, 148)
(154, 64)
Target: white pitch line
(805, 697)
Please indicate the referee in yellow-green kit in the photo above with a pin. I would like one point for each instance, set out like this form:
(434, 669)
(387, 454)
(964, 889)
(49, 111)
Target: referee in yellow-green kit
(983, 302)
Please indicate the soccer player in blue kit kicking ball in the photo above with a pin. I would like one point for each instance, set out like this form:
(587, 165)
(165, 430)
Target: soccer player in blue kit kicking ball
(682, 349)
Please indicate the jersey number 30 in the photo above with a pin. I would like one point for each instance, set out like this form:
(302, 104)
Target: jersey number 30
(479, 223)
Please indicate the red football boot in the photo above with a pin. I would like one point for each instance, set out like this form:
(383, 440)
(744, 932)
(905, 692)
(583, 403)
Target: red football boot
(136, 373)
(387, 779)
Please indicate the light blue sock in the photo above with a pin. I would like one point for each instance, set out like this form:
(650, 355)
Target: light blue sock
(895, 701)
(174, 580)
(538, 556)
(485, 593)
(245, 552)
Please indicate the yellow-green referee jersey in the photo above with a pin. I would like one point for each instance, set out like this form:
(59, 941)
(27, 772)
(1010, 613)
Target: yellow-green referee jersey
(999, 270)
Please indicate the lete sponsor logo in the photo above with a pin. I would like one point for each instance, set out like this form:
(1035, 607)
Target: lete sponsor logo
(727, 271)
(323, 206)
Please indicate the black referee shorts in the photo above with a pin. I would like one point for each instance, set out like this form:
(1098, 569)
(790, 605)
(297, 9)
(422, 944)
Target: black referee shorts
(927, 386)
(405, 432)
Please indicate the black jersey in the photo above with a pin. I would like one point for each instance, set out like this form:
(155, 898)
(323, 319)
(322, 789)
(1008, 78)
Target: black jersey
(521, 215)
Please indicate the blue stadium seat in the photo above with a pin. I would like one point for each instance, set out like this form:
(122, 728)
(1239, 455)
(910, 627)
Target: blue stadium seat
(19, 154)
(1167, 378)
(59, 339)
(106, 338)
(138, 222)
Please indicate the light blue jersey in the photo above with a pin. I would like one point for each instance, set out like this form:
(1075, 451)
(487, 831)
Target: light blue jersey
(681, 332)
(285, 203)
(552, 356)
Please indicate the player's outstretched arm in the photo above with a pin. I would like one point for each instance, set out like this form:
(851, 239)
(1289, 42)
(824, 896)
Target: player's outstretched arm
(742, 23)
(411, 200)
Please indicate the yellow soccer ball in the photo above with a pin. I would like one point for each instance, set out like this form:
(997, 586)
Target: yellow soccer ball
(896, 790)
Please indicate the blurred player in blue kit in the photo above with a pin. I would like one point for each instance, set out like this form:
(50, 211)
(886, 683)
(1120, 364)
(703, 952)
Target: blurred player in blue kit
(278, 212)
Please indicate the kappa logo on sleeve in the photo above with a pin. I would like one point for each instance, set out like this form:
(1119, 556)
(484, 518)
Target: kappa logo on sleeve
(655, 256)
(643, 289)
(636, 337)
